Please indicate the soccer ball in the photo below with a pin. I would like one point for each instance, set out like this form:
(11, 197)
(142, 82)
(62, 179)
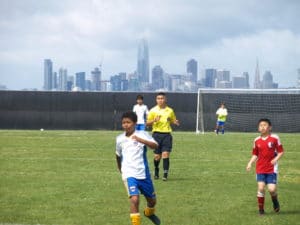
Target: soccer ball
(41, 129)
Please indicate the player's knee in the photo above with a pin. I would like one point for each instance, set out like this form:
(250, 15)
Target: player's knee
(134, 200)
(157, 157)
(260, 193)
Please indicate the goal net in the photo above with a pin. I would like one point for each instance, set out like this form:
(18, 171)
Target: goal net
(246, 106)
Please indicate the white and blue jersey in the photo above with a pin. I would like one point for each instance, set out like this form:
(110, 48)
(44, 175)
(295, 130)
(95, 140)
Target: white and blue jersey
(141, 111)
(134, 163)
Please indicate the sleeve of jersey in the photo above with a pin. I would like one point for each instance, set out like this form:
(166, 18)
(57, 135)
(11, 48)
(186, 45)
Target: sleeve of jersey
(118, 148)
(254, 150)
(173, 117)
(145, 135)
(279, 146)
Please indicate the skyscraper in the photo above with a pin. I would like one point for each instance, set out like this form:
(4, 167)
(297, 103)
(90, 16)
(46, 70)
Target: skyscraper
(143, 62)
(210, 76)
(192, 69)
(157, 78)
(80, 81)
(62, 79)
(257, 82)
(96, 79)
(267, 81)
(48, 74)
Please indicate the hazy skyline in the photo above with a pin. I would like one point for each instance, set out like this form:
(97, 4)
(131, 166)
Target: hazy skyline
(78, 35)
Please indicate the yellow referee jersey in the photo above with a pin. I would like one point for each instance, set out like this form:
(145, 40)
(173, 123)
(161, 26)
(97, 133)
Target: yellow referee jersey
(167, 116)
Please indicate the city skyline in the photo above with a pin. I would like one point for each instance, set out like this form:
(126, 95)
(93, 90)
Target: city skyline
(80, 35)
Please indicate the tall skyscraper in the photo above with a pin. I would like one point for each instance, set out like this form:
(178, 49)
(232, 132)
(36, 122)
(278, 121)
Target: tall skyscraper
(257, 82)
(62, 79)
(192, 69)
(143, 62)
(210, 76)
(267, 81)
(246, 76)
(80, 80)
(157, 78)
(96, 79)
(48, 74)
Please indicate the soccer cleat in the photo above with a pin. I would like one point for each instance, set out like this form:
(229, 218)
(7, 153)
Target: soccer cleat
(261, 212)
(156, 173)
(165, 178)
(154, 219)
(156, 177)
(276, 206)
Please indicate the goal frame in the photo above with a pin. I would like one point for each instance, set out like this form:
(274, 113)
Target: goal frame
(200, 117)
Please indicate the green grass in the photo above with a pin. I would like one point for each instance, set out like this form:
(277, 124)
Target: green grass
(70, 177)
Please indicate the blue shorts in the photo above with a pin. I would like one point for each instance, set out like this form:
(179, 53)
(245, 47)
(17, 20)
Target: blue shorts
(220, 123)
(140, 127)
(145, 186)
(268, 178)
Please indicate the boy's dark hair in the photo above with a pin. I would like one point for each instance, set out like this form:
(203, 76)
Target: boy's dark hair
(139, 97)
(161, 93)
(130, 115)
(265, 120)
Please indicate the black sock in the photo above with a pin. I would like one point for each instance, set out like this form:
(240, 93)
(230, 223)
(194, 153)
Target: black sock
(166, 165)
(156, 167)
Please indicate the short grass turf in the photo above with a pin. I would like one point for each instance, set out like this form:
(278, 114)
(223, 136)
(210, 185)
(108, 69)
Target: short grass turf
(70, 177)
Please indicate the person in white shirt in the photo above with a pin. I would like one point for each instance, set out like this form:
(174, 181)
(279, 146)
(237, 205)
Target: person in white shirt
(141, 111)
(131, 157)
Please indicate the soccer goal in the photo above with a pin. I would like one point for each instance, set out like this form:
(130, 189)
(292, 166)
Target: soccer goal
(246, 106)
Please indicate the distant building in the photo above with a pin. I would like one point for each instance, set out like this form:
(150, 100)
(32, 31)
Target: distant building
(157, 78)
(48, 74)
(133, 82)
(246, 77)
(63, 79)
(192, 69)
(257, 82)
(80, 81)
(96, 79)
(54, 81)
(210, 76)
(119, 82)
(222, 79)
(143, 62)
(239, 82)
(267, 82)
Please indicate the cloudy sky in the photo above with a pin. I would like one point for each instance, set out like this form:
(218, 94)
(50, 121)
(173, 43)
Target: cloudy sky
(79, 34)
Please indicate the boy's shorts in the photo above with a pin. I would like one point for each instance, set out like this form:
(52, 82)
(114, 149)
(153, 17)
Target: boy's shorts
(140, 127)
(220, 123)
(268, 178)
(164, 141)
(145, 186)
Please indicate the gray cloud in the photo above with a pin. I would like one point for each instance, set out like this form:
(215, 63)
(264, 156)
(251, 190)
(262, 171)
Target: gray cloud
(79, 34)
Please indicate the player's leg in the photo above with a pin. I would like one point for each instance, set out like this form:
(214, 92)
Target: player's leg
(157, 157)
(272, 188)
(147, 189)
(261, 192)
(222, 128)
(217, 127)
(157, 154)
(166, 150)
(131, 186)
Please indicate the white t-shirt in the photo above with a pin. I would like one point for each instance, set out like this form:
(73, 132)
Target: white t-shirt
(133, 155)
(141, 112)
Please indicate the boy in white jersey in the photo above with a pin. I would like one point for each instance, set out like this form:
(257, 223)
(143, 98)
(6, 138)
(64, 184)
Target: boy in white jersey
(131, 156)
(141, 111)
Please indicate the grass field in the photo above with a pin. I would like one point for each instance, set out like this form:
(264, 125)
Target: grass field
(70, 177)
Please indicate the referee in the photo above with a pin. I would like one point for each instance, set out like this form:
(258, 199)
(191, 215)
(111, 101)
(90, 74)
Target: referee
(161, 117)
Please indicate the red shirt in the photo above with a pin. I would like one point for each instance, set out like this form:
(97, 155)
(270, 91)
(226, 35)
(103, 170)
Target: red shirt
(266, 149)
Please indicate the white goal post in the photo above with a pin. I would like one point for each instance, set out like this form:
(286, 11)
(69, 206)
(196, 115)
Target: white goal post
(246, 106)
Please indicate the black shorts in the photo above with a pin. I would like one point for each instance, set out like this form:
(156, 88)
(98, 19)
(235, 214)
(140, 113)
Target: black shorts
(164, 141)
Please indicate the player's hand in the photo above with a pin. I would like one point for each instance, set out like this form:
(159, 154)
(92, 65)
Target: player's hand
(248, 168)
(156, 119)
(273, 162)
(176, 122)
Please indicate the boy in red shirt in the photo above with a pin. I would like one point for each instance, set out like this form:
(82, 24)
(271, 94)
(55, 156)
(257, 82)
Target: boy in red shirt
(267, 150)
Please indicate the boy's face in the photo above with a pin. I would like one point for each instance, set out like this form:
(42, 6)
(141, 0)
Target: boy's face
(264, 128)
(128, 125)
(161, 100)
(139, 101)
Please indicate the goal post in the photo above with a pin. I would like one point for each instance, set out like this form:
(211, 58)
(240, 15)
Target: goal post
(246, 106)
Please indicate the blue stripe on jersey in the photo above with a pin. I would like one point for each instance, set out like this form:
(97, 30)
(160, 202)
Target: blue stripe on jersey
(147, 172)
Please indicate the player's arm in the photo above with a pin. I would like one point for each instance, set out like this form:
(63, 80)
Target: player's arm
(275, 160)
(150, 144)
(252, 160)
(152, 118)
(118, 159)
(174, 120)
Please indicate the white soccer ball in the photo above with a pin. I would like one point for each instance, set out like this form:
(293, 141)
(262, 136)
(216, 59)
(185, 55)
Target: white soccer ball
(42, 129)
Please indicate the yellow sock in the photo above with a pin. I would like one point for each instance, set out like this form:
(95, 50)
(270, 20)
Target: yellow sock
(135, 218)
(149, 211)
